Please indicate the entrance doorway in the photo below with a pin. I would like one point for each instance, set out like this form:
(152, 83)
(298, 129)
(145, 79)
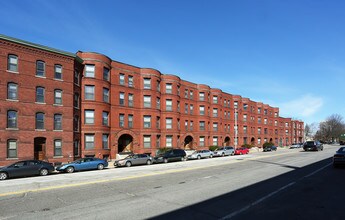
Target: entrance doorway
(125, 143)
(188, 142)
(227, 141)
(40, 148)
(252, 141)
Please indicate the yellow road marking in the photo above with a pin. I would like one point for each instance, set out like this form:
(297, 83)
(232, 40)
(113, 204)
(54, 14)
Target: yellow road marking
(133, 177)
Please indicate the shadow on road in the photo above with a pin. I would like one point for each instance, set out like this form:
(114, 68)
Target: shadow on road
(293, 195)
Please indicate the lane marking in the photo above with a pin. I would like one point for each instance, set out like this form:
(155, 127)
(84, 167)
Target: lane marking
(233, 214)
(177, 170)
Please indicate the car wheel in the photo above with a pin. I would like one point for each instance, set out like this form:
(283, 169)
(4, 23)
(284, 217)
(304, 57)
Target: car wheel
(128, 164)
(70, 169)
(44, 172)
(148, 162)
(100, 166)
(240, 153)
(165, 160)
(199, 157)
(223, 154)
(211, 156)
(3, 176)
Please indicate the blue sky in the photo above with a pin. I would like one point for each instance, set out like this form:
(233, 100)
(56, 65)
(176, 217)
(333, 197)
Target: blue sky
(286, 53)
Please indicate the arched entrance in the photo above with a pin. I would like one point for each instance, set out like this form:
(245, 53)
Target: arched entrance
(271, 140)
(252, 141)
(125, 143)
(188, 142)
(227, 141)
(39, 148)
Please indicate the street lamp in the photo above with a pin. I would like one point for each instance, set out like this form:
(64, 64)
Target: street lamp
(236, 129)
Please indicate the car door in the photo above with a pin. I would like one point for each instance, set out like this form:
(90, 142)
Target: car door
(136, 159)
(33, 167)
(17, 169)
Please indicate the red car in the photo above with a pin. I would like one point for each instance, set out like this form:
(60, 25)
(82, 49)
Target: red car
(240, 151)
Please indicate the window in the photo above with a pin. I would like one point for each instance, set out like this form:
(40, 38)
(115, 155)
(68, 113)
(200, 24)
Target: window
(265, 111)
(169, 140)
(158, 122)
(106, 95)
(40, 68)
(147, 101)
(12, 91)
(12, 119)
(12, 148)
(76, 77)
(40, 94)
(191, 125)
(202, 110)
(265, 121)
(215, 141)
(245, 129)
(259, 130)
(122, 120)
(58, 72)
(122, 79)
(265, 131)
(215, 99)
(147, 83)
(191, 109)
(89, 116)
(76, 100)
(90, 70)
(201, 141)
(89, 92)
(259, 120)
(57, 147)
(235, 104)
(215, 112)
(259, 110)
(186, 93)
(158, 103)
(130, 121)
(202, 125)
(186, 125)
(168, 105)
(191, 94)
(130, 81)
(105, 118)
(57, 122)
(130, 100)
(215, 126)
(76, 147)
(89, 141)
(245, 106)
(147, 141)
(244, 118)
(168, 88)
(12, 64)
(147, 121)
(168, 123)
(106, 75)
(40, 120)
(58, 97)
(105, 142)
(201, 96)
(186, 108)
(276, 123)
(76, 123)
(122, 99)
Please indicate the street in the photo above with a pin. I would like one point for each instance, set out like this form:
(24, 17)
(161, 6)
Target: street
(286, 184)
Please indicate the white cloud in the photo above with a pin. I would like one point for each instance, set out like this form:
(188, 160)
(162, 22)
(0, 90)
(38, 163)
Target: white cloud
(305, 106)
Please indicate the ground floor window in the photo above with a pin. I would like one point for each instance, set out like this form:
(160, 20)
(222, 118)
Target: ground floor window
(169, 140)
(12, 149)
(202, 141)
(215, 141)
(147, 141)
(57, 147)
(89, 141)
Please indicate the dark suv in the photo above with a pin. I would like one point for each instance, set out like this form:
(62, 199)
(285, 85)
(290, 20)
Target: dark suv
(312, 146)
(171, 155)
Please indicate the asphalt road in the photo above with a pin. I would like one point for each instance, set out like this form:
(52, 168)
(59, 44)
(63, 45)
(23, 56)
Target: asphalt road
(287, 184)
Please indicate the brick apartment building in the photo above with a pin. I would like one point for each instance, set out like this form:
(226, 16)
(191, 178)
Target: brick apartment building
(58, 106)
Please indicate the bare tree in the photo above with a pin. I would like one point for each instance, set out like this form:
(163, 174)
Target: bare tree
(331, 129)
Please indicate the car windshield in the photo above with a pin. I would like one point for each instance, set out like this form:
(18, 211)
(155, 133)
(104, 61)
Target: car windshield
(77, 161)
(310, 143)
(221, 148)
(130, 156)
(341, 150)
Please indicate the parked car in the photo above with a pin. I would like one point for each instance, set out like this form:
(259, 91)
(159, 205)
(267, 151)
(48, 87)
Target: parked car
(312, 146)
(26, 168)
(242, 150)
(224, 151)
(270, 148)
(171, 155)
(201, 154)
(339, 157)
(134, 159)
(296, 145)
(88, 163)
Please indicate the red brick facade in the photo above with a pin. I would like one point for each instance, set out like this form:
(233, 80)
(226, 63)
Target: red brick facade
(146, 110)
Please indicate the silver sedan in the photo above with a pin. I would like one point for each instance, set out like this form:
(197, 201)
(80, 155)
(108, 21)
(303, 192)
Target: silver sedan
(134, 159)
(201, 154)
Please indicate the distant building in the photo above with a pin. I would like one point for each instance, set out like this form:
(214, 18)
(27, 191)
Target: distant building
(58, 106)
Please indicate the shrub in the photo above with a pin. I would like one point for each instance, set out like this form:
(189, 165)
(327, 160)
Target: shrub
(268, 144)
(213, 148)
(247, 146)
